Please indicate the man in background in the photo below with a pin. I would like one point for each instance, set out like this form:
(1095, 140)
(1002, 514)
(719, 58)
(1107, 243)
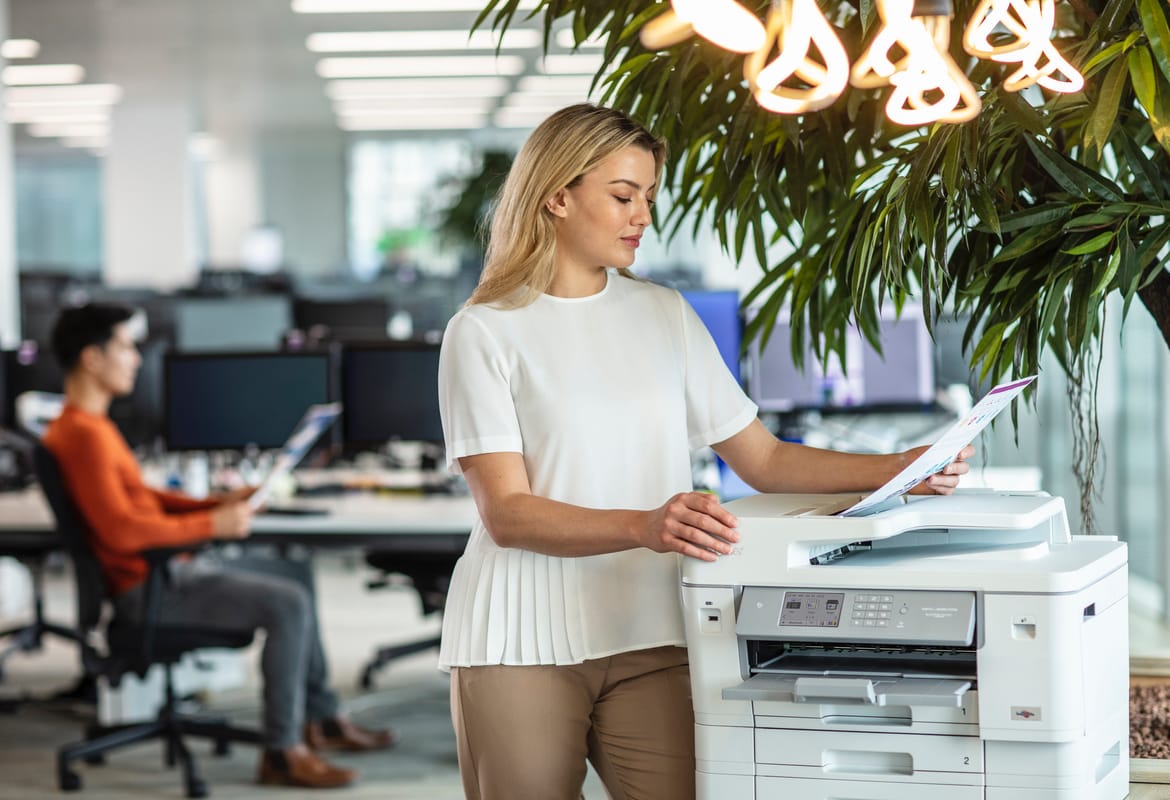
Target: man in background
(96, 346)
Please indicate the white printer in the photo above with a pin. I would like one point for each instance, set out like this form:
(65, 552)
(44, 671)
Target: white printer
(949, 648)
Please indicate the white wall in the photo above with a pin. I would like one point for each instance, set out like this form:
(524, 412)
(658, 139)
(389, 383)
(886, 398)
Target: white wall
(9, 300)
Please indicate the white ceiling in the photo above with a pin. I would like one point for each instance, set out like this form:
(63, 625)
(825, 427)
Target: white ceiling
(242, 64)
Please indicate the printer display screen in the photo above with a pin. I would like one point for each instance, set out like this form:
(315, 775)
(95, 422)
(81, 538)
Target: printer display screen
(812, 609)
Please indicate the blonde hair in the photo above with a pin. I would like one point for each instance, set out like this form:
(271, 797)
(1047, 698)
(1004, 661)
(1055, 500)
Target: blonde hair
(520, 263)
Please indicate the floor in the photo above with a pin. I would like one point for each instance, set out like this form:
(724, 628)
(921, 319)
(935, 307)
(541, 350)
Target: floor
(410, 695)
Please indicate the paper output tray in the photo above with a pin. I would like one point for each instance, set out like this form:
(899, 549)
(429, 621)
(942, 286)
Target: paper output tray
(878, 691)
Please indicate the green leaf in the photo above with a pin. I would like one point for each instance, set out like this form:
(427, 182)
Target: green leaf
(1158, 31)
(1073, 177)
(1035, 216)
(1105, 113)
(1092, 245)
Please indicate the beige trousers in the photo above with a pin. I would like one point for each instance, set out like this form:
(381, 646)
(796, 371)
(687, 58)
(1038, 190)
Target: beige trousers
(524, 733)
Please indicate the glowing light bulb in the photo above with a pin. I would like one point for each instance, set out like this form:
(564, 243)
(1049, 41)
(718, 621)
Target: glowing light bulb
(794, 27)
(928, 85)
(1031, 23)
(723, 22)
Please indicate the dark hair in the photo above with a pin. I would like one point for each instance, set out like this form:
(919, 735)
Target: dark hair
(78, 328)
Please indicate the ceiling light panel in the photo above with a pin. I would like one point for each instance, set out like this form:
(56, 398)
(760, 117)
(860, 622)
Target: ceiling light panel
(390, 105)
(81, 94)
(415, 87)
(393, 6)
(421, 41)
(555, 84)
(398, 122)
(573, 64)
(19, 48)
(43, 74)
(418, 66)
(51, 129)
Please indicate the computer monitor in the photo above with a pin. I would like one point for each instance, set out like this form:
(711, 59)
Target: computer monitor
(229, 401)
(901, 377)
(390, 391)
(776, 384)
(719, 311)
(340, 320)
(231, 324)
(28, 368)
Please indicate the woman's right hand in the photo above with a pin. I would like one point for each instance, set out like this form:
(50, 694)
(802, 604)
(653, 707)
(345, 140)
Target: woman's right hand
(691, 523)
(231, 520)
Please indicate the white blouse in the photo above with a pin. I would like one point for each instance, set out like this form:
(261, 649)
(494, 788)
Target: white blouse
(604, 396)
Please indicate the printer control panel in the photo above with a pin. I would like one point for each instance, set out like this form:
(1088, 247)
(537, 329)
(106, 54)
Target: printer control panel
(859, 615)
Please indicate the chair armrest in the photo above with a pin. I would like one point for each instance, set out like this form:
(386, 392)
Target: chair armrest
(158, 560)
(160, 555)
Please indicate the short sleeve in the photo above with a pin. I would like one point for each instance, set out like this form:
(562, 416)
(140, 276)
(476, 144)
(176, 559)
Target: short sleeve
(717, 407)
(475, 398)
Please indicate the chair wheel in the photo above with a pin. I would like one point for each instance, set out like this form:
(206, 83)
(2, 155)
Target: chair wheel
(69, 781)
(197, 787)
(223, 747)
(97, 759)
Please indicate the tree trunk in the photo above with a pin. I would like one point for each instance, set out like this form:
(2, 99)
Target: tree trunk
(1156, 298)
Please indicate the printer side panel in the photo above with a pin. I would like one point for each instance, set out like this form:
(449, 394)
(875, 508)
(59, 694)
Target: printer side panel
(1090, 663)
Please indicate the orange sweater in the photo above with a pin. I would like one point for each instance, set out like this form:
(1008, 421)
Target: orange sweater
(124, 514)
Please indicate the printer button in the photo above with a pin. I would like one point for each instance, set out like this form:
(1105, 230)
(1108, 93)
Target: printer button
(881, 623)
(871, 623)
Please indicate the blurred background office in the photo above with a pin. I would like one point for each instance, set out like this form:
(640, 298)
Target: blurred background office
(282, 180)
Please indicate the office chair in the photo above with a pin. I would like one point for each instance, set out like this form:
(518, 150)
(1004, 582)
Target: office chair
(133, 647)
(30, 636)
(430, 575)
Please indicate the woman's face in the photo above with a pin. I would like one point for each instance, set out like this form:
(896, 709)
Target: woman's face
(600, 220)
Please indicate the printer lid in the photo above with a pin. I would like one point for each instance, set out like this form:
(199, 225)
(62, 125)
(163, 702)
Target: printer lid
(805, 518)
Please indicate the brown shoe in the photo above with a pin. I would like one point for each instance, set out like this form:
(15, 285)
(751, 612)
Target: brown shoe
(343, 734)
(300, 766)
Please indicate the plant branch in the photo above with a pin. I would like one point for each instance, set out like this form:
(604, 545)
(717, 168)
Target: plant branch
(1156, 298)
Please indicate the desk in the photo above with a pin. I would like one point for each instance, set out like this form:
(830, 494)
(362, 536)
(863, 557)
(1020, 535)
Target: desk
(404, 523)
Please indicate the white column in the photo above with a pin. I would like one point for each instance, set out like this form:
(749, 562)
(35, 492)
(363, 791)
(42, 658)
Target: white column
(232, 197)
(148, 200)
(9, 285)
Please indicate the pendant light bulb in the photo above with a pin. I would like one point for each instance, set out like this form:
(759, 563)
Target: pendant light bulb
(793, 28)
(722, 22)
(1030, 23)
(928, 85)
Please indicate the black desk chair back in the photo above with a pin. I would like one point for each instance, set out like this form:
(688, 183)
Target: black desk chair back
(133, 646)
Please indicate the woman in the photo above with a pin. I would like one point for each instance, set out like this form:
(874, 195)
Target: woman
(571, 395)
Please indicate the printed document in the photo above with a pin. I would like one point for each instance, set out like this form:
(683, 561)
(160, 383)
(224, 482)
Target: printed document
(943, 452)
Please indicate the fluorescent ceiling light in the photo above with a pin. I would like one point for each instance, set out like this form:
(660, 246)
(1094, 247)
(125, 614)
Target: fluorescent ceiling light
(20, 48)
(554, 84)
(552, 102)
(521, 117)
(41, 74)
(574, 64)
(416, 87)
(566, 39)
(392, 105)
(93, 142)
(421, 41)
(393, 6)
(81, 94)
(418, 66)
(56, 114)
(398, 122)
(55, 129)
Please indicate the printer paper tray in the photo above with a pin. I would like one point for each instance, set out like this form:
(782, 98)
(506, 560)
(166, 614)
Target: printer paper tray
(877, 690)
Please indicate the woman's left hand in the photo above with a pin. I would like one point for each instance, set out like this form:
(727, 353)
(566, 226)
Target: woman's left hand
(946, 480)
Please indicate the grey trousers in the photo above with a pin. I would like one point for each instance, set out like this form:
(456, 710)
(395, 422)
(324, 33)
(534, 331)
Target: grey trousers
(271, 594)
